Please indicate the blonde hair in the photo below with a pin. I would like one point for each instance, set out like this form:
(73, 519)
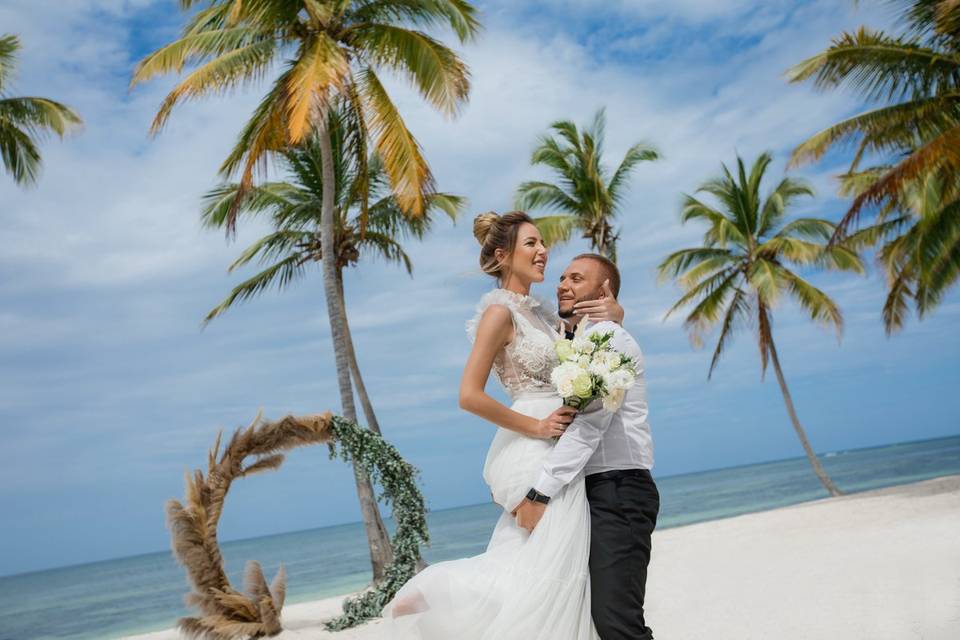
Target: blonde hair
(494, 232)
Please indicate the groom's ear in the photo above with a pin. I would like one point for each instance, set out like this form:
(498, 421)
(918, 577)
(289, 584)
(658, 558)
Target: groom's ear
(605, 290)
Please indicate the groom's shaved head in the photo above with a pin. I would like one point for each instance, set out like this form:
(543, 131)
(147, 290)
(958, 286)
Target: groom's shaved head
(610, 271)
(583, 280)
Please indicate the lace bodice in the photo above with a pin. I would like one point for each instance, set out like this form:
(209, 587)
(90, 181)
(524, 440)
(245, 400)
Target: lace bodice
(526, 362)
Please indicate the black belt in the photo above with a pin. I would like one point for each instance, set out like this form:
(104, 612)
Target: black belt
(618, 473)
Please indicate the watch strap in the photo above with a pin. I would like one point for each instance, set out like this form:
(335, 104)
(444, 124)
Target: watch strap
(536, 496)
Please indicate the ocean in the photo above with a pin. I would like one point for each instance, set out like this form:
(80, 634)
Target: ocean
(143, 593)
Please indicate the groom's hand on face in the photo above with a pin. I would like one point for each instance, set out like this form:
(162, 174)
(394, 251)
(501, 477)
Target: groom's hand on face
(603, 308)
(528, 514)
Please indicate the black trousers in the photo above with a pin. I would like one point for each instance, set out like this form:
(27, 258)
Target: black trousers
(623, 513)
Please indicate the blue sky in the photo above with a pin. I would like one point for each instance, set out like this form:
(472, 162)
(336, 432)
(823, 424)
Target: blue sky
(110, 390)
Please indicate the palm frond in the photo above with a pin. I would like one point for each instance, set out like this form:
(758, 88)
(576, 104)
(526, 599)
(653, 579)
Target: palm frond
(208, 44)
(679, 262)
(459, 15)
(280, 274)
(738, 310)
(320, 69)
(722, 229)
(879, 66)
(780, 199)
(410, 177)
(387, 248)
(265, 198)
(9, 46)
(535, 194)
(882, 129)
(555, 229)
(231, 70)
(640, 152)
(20, 154)
(435, 70)
(713, 298)
(818, 305)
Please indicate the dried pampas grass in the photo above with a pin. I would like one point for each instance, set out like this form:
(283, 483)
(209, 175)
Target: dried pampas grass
(227, 614)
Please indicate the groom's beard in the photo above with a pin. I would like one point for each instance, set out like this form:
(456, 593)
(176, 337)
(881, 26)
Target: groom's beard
(566, 315)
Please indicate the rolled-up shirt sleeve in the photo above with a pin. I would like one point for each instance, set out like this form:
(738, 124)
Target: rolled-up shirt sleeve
(573, 450)
(578, 443)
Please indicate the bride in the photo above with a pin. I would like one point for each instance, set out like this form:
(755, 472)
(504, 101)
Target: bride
(526, 585)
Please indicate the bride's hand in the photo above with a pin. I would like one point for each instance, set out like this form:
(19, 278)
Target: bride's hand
(603, 308)
(554, 424)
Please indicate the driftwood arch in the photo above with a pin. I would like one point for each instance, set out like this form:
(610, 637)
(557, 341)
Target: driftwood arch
(228, 614)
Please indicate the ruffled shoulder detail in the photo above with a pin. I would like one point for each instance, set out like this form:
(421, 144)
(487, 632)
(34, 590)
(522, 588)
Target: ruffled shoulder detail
(513, 301)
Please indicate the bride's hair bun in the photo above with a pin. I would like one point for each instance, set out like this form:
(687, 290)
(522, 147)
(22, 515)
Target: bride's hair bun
(482, 225)
(494, 233)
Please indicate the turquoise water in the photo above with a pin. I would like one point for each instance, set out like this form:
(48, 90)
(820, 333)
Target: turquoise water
(144, 593)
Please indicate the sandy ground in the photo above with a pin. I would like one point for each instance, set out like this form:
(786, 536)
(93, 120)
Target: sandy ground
(879, 565)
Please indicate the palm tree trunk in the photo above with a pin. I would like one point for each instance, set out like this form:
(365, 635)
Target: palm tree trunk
(368, 412)
(361, 388)
(377, 538)
(788, 400)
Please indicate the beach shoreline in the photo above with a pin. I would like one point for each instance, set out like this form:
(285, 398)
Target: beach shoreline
(881, 564)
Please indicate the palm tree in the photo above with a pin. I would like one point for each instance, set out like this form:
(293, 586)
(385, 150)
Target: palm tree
(918, 234)
(918, 74)
(296, 243)
(330, 52)
(744, 266)
(26, 120)
(584, 196)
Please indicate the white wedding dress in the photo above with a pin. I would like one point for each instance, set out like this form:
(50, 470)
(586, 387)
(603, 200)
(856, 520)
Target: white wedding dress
(524, 586)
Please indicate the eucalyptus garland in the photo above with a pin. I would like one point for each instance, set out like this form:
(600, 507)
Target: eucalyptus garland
(398, 480)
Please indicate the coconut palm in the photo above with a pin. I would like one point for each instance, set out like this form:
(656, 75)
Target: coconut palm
(295, 245)
(327, 51)
(584, 197)
(746, 265)
(918, 234)
(918, 75)
(24, 121)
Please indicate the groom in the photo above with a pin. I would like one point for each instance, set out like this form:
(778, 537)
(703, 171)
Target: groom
(614, 450)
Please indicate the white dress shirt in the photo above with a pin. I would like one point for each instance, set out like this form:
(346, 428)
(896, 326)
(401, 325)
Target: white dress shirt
(601, 440)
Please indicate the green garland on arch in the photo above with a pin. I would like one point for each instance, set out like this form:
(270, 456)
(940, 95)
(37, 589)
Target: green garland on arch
(398, 479)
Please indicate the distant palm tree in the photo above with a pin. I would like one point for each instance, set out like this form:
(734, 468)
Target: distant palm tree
(918, 73)
(584, 197)
(330, 53)
(919, 243)
(295, 245)
(743, 268)
(26, 120)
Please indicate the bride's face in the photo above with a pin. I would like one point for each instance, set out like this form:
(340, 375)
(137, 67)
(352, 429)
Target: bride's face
(528, 261)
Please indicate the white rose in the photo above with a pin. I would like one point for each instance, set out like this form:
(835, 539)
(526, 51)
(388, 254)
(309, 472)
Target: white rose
(621, 379)
(565, 388)
(563, 375)
(599, 365)
(584, 361)
(583, 345)
(612, 359)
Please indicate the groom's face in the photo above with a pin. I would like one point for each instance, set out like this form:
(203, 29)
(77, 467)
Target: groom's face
(582, 280)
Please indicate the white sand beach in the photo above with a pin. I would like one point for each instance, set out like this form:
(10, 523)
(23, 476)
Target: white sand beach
(882, 565)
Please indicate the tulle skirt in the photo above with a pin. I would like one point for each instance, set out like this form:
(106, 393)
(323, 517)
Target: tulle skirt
(524, 586)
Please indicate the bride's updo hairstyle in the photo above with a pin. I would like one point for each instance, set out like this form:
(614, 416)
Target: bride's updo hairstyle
(494, 232)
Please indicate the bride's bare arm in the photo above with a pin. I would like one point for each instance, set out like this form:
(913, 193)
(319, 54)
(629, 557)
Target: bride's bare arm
(494, 332)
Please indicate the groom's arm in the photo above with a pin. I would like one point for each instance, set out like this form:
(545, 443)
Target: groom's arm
(578, 443)
(583, 436)
(572, 451)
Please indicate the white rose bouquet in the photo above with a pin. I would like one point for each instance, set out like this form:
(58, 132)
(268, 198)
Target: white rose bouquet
(591, 368)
